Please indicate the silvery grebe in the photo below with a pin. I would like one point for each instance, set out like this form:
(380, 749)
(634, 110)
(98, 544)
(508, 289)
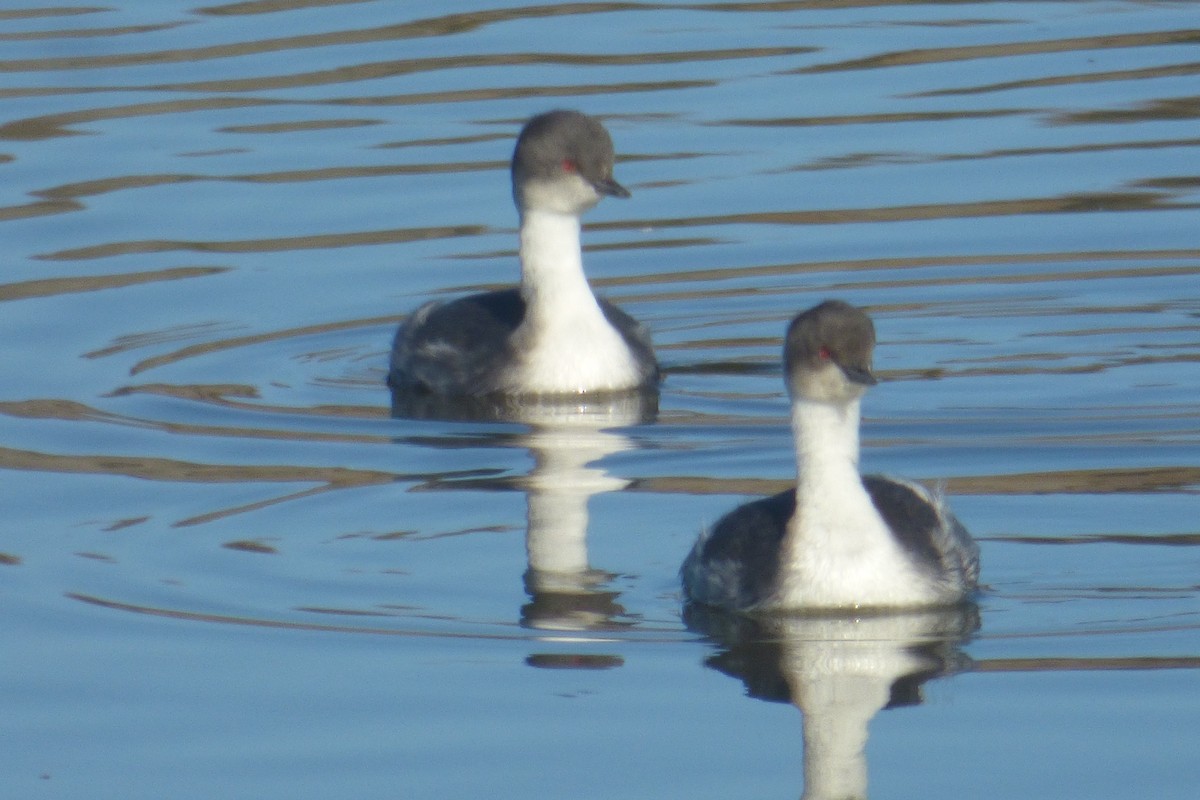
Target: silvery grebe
(551, 335)
(838, 540)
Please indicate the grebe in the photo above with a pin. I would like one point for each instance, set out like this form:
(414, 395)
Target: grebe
(839, 540)
(551, 335)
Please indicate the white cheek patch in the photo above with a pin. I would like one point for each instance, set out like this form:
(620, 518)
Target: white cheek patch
(567, 194)
(827, 384)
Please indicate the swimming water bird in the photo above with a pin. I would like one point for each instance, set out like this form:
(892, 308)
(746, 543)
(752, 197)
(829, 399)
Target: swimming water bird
(550, 335)
(839, 540)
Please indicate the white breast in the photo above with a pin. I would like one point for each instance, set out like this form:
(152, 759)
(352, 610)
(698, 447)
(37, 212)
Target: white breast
(587, 355)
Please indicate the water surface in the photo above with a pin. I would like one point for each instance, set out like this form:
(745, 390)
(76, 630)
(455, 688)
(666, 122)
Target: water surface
(226, 566)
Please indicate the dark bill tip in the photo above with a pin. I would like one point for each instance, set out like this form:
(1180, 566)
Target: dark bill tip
(859, 375)
(610, 187)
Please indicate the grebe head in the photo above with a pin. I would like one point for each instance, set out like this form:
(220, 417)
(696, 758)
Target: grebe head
(563, 163)
(827, 353)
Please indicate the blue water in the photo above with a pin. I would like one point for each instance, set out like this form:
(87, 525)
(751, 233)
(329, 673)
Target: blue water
(227, 569)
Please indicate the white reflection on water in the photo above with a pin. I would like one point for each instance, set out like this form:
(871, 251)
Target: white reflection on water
(566, 437)
(566, 592)
(839, 671)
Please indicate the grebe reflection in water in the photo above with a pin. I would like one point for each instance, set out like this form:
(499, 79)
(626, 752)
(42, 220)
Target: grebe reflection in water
(839, 670)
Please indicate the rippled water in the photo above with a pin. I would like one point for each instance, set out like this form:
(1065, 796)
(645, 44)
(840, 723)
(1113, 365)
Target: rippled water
(226, 568)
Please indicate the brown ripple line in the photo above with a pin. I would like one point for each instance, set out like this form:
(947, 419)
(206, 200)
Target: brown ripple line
(157, 338)
(173, 470)
(280, 244)
(640, 635)
(517, 93)
(1048, 664)
(301, 126)
(68, 410)
(1095, 481)
(1092, 368)
(1082, 481)
(1067, 664)
(907, 263)
(1166, 539)
(1075, 633)
(163, 469)
(991, 370)
(160, 469)
(1060, 276)
(251, 7)
(398, 67)
(889, 118)
(1064, 204)
(740, 368)
(48, 287)
(1147, 73)
(63, 195)
(870, 159)
(1168, 108)
(433, 26)
(943, 55)
(1180, 182)
(892, 263)
(101, 186)
(196, 616)
(742, 6)
(59, 125)
(54, 125)
(54, 409)
(64, 198)
(1084, 202)
(39, 13)
(1110, 330)
(443, 141)
(39, 208)
(268, 6)
(1138, 480)
(86, 33)
(223, 395)
(259, 338)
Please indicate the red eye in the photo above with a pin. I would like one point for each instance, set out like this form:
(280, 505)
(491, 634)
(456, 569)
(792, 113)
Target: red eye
(824, 353)
(569, 166)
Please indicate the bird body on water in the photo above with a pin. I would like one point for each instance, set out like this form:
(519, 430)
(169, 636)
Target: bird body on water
(550, 335)
(838, 540)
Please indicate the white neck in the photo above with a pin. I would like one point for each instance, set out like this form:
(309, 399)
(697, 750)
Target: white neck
(826, 437)
(552, 280)
(566, 342)
(838, 551)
